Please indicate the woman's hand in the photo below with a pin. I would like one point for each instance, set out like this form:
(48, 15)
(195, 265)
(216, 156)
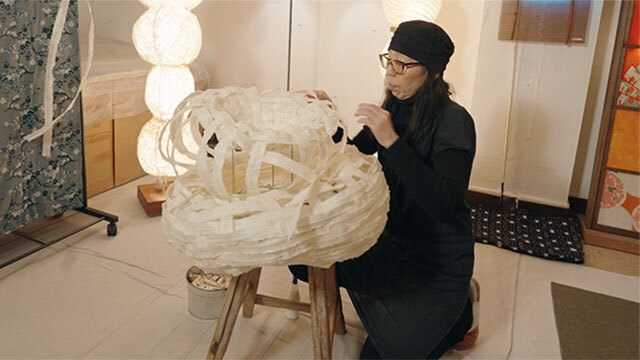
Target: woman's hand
(379, 121)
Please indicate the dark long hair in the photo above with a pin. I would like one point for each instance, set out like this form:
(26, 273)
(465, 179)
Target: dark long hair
(431, 99)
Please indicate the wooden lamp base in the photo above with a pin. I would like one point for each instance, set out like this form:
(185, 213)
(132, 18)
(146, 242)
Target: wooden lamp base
(151, 198)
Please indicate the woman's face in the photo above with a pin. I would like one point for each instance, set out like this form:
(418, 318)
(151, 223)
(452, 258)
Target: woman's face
(406, 85)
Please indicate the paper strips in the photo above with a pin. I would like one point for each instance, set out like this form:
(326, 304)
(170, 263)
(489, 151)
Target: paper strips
(275, 189)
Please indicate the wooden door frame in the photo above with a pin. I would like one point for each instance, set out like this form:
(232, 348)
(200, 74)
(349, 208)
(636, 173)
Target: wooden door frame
(606, 126)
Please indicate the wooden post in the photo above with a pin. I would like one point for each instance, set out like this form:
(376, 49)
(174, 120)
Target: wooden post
(230, 309)
(252, 290)
(320, 323)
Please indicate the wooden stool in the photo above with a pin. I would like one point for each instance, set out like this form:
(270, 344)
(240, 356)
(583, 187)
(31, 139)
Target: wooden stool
(325, 308)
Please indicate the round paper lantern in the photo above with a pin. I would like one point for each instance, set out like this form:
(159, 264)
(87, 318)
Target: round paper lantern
(422, 10)
(187, 4)
(167, 35)
(398, 11)
(394, 10)
(151, 139)
(274, 189)
(166, 87)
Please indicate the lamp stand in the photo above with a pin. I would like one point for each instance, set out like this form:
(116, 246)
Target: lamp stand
(151, 196)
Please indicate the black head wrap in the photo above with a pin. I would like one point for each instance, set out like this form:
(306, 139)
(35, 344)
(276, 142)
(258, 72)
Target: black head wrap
(426, 42)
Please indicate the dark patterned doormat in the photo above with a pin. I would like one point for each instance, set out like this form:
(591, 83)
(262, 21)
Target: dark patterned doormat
(520, 230)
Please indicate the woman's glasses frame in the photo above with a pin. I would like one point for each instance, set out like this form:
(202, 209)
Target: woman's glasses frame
(398, 67)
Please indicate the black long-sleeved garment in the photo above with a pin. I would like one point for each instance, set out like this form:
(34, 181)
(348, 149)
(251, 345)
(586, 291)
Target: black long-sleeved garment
(427, 181)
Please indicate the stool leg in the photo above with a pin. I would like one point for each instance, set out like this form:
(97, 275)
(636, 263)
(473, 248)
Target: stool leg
(318, 297)
(252, 290)
(230, 308)
(339, 327)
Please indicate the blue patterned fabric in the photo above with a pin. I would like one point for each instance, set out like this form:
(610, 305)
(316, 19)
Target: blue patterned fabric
(33, 187)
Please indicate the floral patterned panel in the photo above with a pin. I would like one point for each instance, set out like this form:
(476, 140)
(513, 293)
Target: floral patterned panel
(629, 91)
(620, 202)
(33, 187)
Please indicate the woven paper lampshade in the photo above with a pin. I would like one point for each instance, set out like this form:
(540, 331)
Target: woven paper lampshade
(275, 189)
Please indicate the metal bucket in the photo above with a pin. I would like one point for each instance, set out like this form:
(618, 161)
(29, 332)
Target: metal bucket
(204, 304)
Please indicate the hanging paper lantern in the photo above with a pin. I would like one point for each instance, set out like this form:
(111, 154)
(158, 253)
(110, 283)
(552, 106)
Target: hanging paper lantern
(398, 11)
(422, 10)
(394, 10)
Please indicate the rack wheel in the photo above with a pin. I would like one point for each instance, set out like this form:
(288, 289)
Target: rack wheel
(112, 229)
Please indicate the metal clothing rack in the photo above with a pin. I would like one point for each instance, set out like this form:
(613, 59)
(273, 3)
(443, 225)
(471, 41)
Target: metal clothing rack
(98, 215)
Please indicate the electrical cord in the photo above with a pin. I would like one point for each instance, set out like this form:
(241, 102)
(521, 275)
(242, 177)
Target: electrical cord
(513, 313)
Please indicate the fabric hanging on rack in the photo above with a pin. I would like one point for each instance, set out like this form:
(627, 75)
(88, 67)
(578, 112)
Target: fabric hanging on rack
(33, 187)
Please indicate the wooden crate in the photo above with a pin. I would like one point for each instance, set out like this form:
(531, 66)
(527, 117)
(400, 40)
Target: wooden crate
(98, 157)
(125, 140)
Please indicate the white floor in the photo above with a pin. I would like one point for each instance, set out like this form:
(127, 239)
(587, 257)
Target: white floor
(92, 296)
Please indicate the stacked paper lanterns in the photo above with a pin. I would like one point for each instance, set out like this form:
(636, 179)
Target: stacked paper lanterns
(168, 36)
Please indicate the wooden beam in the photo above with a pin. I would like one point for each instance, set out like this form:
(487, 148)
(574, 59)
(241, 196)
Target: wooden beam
(282, 303)
(320, 322)
(230, 309)
(252, 289)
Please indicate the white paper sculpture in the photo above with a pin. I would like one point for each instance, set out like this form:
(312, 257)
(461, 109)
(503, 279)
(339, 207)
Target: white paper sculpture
(275, 189)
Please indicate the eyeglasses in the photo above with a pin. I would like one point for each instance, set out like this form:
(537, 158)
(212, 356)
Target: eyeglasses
(398, 66)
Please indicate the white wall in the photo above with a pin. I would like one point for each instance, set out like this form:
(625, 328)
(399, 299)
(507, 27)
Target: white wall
(112, 18)
(585, 157)
(548, 107)
(490, 102)
(244, 43)
(463, 21)
(548, 96)
(350, 36)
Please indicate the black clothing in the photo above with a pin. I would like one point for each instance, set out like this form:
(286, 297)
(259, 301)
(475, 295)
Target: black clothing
(411, 287)
(461, 327)
(427, 181)
(369, 351)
